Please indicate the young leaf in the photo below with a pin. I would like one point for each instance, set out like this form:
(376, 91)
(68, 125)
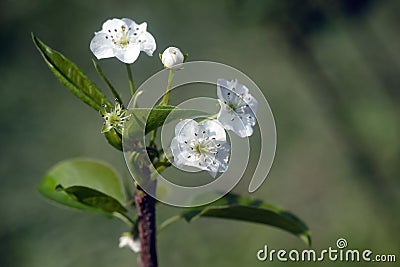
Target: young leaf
(94, 198)
(85, 184)
(242, 208)
(150, 119)
(71, 76)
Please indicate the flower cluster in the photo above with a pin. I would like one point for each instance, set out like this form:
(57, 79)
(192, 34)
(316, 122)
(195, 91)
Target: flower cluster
(204, 145)
(199, 145)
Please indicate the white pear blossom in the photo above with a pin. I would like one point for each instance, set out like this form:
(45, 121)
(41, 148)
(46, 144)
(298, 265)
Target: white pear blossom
(123, 39)
(115, 118)
(238, 107)
(127, 240)
(202, 146)
(172, 58)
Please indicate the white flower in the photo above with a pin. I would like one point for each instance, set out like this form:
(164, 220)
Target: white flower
(114, 118)
(172, 58)
(238, 107)
(202, 146)
(126, 240)
(124, 39)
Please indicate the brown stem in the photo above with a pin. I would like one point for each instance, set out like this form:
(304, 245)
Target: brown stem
(145, 205)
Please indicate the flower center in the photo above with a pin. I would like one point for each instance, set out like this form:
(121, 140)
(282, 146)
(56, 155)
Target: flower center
(122, 40)
(201, 148)
(232, 106)
(114, 118)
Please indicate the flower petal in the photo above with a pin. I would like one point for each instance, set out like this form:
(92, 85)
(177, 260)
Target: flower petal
(186, 129)
(225, 89)
(130, 23)
(222, 157)
(128, 55)
(232, 121)
(176, 152)
(111, 25)
(147, 43)
(214, 129)
(102, 46)
(126, 240)
(212, 170)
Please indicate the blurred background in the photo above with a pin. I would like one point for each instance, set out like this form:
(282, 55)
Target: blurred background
(329, 69)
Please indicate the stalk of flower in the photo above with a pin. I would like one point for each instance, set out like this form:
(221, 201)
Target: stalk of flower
(172, 59)
(238, 107)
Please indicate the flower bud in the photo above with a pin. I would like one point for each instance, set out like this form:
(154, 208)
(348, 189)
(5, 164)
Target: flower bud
(127, 240)
(172, 58)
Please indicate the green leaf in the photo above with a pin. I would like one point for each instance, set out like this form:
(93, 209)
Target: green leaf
(86, 185)
(242, 208)
(157, 117)
(71, 76)
(151, 119)
(94, 198)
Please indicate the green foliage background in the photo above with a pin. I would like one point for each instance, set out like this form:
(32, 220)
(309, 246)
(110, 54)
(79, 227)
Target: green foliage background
(330, 70)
